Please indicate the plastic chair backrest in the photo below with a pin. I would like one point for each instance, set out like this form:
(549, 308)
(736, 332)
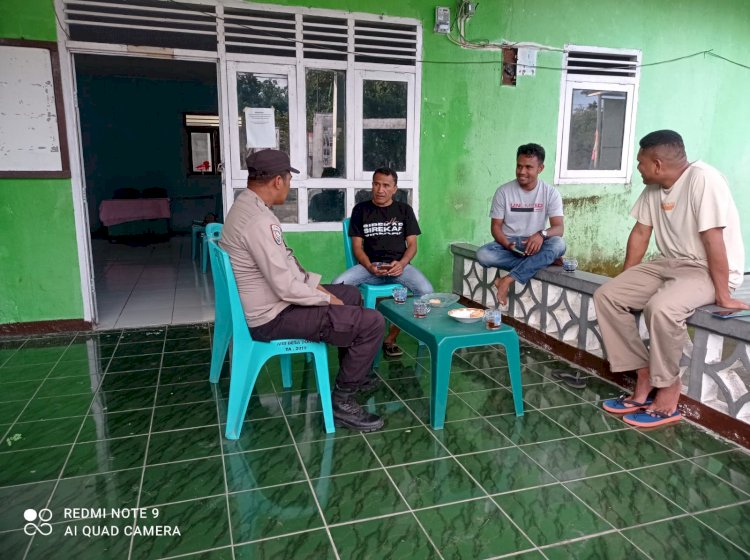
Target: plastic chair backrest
(348, 252)
(225, 275)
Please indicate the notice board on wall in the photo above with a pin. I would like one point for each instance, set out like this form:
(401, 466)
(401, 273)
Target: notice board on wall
(32, 131)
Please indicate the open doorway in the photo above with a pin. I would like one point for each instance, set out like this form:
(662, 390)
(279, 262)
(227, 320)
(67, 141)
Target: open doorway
(149, 136)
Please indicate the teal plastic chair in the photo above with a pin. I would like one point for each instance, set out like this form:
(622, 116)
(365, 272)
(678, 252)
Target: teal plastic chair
(222, 320)
(370, 293)
(196, 231)
(248, 355)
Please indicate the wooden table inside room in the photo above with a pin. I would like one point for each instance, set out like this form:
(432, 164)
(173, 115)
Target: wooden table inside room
(443, 335)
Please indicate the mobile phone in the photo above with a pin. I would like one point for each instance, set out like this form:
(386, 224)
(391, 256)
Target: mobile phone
(517, 251)
(730, 313)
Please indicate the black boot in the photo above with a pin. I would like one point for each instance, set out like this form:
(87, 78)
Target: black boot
(347, 413)
(371, 383)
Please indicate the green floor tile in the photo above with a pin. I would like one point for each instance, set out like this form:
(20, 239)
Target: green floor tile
(584, 419)
(731, 522)
(35, 465)
(300, 402)
(224, 553)
(703, 491)
(490, 403)
(456, 409)
(115, 424)
(405, 446)
(532, 427)
(469, 436)
(271, 512)
(682, 538)
(142, 335)
(630, 449)
(467, 381)
(434, 482)
(131, 399)
(19, 390)
(398, 536)
(548, 395)
(130, 380)
(334, 456)
(469, 530)
(139, 348)
(259, 434)
(569, 459)
(186, 480)
(260, 406)
(184, 374)
(77, 368)
(57, 407)
(550, 514)
(67, 386)
(311, 545)
(106, 455)
(10, 411)
(505, 470)
(15, 374)
(395, 414)
(15, 544)
(118, 489)
(351, 497)
(611, 547)
(256, 469)
(172, 359)
(733, 467)
(179, 416)
(310, 427)
(623, 500)
(134, 363)
(689, 440)
(16, 499)
(398, 369)
(28, 356)
(184, 344)
(42, 433)
(405, 389)
(182, 393)
(203, 524)
(194, 443)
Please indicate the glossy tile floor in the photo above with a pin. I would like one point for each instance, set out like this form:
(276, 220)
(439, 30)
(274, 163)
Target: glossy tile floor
(127, 419)
(155, 284)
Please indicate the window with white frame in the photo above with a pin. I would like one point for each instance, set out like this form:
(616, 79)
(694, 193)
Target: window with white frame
(598, 98)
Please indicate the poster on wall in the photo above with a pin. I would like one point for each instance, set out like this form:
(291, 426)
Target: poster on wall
(260, 128)
(32, 139)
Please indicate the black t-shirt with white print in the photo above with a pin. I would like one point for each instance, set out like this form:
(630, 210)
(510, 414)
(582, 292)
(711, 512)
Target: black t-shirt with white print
(384, 229)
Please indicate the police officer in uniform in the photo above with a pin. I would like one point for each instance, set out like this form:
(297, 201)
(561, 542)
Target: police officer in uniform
(282, 300)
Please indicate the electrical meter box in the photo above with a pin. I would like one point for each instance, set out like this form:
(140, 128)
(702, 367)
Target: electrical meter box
(442, 19)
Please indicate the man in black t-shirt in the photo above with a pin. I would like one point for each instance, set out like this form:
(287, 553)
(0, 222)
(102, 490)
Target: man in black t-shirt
(384, 241)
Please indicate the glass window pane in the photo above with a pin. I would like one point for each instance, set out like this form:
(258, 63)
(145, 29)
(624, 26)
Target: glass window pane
(597, 126)
(326, 123)
(384, 106)
(287, 212)
(402, 195)
(326, 205)
(263, 102)
(201, 152)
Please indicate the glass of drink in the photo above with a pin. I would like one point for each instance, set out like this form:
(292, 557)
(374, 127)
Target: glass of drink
(421, 309)
(570, 264)
(399, 295)
(493, 319)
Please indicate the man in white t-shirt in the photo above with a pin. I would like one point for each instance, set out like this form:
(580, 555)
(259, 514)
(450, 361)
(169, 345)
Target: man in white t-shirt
(689, 208)
(520, 210)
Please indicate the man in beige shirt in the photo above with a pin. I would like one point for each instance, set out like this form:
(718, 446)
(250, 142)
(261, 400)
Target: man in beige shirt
(689, 208)
(282, 300)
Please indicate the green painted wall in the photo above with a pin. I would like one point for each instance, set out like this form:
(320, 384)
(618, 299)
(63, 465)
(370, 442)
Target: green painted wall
(39, 279)
(471, 126)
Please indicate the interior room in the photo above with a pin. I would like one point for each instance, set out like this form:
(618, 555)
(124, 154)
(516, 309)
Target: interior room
(150, 133)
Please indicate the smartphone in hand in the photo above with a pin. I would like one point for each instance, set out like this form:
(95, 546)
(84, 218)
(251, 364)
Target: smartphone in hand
(517, 251)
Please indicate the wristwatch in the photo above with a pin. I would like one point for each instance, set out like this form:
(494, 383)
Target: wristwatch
(544, 233)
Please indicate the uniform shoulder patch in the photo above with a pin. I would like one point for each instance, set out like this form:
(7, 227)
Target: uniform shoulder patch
(276, 232)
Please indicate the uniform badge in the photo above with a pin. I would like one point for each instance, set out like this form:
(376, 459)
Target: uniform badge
(276, 232)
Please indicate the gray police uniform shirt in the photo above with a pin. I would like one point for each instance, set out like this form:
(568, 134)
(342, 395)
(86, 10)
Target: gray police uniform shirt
(525, 212)
(269, 277)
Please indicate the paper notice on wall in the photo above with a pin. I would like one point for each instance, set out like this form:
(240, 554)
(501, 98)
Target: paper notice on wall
(260, 127)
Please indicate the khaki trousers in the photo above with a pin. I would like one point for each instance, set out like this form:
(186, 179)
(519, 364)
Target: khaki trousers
(667, 291)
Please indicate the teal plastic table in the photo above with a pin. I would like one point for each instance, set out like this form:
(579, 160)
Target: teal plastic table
(443, 336)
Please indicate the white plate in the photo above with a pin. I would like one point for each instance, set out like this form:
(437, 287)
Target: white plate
(466, 315)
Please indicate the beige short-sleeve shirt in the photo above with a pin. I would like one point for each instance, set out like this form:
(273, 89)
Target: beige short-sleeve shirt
(700, 200)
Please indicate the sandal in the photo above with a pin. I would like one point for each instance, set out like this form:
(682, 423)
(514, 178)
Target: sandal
(392, 350)
(624, 405)
(651, 418)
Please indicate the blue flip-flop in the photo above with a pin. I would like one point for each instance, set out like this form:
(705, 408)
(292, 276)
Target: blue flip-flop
(624, 405)
(651, 418)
